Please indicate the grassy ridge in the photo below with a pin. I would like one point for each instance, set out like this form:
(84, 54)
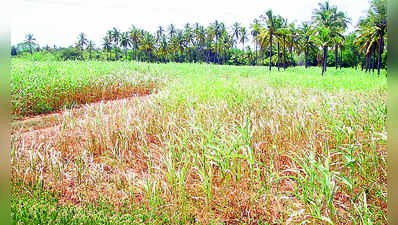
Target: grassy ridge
(41, 87)
(222, 144)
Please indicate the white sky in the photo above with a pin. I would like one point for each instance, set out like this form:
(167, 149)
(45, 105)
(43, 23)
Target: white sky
(60, 21)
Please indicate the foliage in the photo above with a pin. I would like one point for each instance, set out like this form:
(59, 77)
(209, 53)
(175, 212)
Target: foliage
(215, 144)
(312, 42)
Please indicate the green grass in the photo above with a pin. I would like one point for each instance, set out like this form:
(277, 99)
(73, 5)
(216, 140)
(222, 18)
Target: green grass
(42, 87)
(31, 206)
(214, 144)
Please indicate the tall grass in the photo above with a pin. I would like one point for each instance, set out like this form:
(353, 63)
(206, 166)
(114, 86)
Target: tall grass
(42, 87)
(223, 144)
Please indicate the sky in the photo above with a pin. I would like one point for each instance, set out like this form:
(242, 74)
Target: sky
(58, 22)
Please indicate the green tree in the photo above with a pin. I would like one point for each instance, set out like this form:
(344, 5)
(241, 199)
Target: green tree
(29, 40)
(335, 21)
(148, 45)
(372, 32)
(324, 40)
(255, 31)
(306, 32)
(115, 40)
(82, 41)
(107, 46)
(135, 36)
(236, 32)
(243, 36)
(125, 42)
(267, 33)
(215, 29)
(90, 47)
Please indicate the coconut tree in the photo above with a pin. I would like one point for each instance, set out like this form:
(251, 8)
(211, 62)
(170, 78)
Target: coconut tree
(255, 31)
(163, 47)
(236, 32)
(283, 32)
(107, 45)
(29, 40)
(159, 34)
(125, 42)
(109, 36)
(338, 40)
(135, 36)
(323, 39)
(306, 32)
(180, 44)
(341, 23)
(215, 28)
(378, 12)
(243, 37)
(279, 35)
(268, 32)
(115, 39)
(189, 39)
(147, 45)
(293, 41)
(372, 31)
(90, 47)
(367, 42)
(82, 41)
(201, 39)
(225, 43)
(172, 31)
(335, 21)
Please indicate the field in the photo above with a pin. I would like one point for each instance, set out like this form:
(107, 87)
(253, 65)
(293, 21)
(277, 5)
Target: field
(196, 143)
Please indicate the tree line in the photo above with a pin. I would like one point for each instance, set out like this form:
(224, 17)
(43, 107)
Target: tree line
(276, 42)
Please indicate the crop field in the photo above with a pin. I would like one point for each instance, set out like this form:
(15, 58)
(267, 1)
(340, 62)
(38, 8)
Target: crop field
(139, 143)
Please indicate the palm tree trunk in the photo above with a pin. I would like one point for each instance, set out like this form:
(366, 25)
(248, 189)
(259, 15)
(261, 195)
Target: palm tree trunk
(291, 56)
(270, 50)
(135, 52)
(256, 54)
(380, 52)
(367, 62)
(325, 56)
(336, 52)
(305, 58)
(215, 55)
(116, 55)
(341, 57)
(284, 53)
(326, 59)
(278, 56)
(374, 60)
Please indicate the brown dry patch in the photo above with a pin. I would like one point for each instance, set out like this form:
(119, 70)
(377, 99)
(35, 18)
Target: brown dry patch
(65, 145)
(52, 120)
(136, 150)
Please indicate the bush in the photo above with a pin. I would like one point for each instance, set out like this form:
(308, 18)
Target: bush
(69, 54)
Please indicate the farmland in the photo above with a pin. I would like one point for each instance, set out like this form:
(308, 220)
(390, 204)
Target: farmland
(133, 142)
